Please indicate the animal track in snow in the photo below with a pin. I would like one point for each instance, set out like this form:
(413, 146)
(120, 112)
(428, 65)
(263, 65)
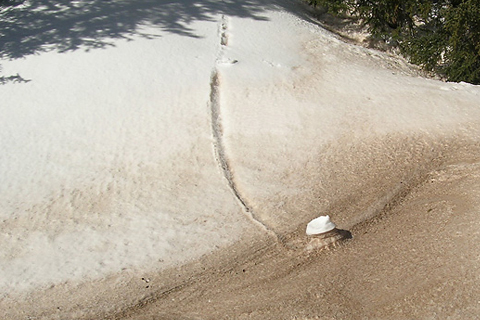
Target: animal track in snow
(223, 31)
(226, 61)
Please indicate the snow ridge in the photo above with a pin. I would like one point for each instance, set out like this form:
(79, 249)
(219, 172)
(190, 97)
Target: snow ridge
(217, 129)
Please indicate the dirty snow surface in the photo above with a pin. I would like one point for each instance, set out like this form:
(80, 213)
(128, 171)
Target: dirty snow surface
(139, 135)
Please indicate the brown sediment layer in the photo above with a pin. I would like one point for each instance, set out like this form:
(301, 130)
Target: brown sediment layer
(409, 262)
(417, 259)
(327, 239)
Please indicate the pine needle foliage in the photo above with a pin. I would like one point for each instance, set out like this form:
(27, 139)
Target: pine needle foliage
(440, 35)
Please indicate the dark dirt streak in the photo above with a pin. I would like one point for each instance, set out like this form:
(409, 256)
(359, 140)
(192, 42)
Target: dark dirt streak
(374, 276)
(217, 131)
(264, 280)
(193, 283)
(218, 143)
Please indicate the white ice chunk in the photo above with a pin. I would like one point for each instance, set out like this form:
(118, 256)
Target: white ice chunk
(320, 225)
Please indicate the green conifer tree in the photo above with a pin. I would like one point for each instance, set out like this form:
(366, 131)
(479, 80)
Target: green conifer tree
(439, 35)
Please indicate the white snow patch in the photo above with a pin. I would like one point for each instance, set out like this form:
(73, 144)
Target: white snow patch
(320, 225)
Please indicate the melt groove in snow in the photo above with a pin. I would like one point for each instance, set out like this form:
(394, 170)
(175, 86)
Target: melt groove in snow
(217, 130)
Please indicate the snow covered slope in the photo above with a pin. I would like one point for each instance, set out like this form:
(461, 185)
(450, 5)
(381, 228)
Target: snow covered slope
(107, 155)
(340, 128)
(148, 133)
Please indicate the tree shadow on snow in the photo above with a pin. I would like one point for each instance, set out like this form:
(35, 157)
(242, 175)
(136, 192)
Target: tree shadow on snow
(31, 27)
(13, 79)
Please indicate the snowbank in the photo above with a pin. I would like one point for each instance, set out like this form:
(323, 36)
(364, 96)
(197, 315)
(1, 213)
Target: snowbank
(107, 160)
(131, 156)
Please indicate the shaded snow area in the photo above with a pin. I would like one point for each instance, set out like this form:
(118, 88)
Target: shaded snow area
(148, 133)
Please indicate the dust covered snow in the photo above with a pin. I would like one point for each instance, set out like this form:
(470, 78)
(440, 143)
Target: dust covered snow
(160, 133)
